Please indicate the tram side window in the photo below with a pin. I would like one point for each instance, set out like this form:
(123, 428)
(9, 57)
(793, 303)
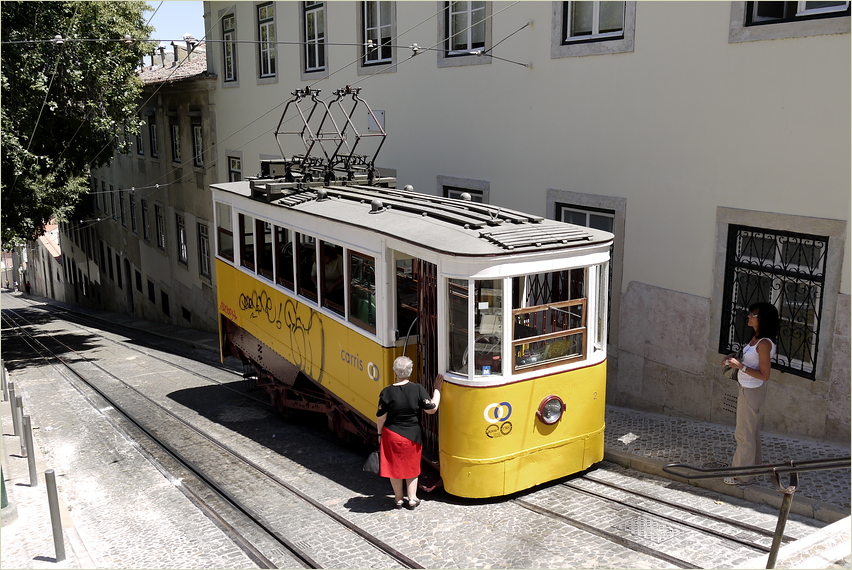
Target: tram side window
(224, 230)
(362, 291)
(329, 273)
(488, 320)
(246, 242)
(602, 274)
(406, 297)
(306, 255)
(458, 293)
(284, 257)
(263, 231)
(549, 318)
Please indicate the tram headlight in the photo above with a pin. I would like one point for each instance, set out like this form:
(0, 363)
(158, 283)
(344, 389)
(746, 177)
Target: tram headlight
(550, 410)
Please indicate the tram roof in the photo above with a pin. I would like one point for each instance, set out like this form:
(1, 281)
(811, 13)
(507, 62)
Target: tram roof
(447, 225)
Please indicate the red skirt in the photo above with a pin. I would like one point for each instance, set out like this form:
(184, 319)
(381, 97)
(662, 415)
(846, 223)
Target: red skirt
(400, 457)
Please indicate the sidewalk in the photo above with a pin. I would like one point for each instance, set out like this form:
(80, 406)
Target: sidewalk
(639, 440)
(27, 533)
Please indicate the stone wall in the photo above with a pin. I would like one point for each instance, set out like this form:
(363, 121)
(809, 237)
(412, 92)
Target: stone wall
(668, 363)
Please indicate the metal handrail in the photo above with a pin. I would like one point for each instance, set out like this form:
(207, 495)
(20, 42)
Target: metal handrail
(792, 467)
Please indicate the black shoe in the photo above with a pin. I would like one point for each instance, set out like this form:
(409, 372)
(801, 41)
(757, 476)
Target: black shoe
(411, 505)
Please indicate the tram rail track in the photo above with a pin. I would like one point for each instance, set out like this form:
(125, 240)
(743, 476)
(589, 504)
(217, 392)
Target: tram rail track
(637, 515)
(184, 449)
(544, 502)
(762, 532)
(76, 318)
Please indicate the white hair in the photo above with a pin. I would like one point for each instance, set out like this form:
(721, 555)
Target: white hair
(402, 367)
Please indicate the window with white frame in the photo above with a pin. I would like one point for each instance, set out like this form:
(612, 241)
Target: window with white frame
(146, 221)
(203, 250)
(266, 39)
(181, 239)
(377, 32)
(787, 270)
(121, 207)
(197, 145)
(160, 226)
(229, 47)
(466, 27)
(112, 202)
(755, 21)
(592, 28)
(584, 21)
(455, 187)
(175, 128)
(596, 218)
(133, 225)
(458, 194)
(105, 198)
(152, 136)
(314, 25)
(465, 32)
(235, 169)
(776, 12)
(140, 148)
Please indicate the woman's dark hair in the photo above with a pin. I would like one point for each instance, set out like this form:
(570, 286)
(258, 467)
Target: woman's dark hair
(767, 319)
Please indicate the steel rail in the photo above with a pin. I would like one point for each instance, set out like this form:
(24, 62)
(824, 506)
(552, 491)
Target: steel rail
(377, 543)
(612, 537)
(239, 539)
(700, 512)
(716, 533)
(775, 470)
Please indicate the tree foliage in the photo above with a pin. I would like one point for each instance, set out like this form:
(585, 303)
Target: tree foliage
(66, 105)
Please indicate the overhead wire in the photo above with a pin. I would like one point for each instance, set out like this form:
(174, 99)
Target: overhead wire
(416, 51)
(163, 83)
(46, 95)
(221, 141)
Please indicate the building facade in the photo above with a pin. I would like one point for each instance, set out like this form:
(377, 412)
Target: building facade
(711, 137)
(144, 250)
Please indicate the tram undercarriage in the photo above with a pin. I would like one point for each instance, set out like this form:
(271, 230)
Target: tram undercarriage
(290, 389)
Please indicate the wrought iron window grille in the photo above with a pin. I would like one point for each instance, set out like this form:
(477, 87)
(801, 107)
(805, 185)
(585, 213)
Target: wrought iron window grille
(786, 269)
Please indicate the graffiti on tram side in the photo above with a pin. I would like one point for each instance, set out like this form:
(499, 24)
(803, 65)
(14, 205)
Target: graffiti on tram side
(227, 311)
(261, 305)
(306, 334)
(307, 339)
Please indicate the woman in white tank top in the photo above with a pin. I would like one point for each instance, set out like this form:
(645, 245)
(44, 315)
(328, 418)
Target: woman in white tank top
(753, 374)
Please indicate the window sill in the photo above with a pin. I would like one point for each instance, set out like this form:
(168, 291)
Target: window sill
(739, 32)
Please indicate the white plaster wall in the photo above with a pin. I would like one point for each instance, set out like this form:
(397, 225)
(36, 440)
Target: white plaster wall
(681, 128)
(683, 124)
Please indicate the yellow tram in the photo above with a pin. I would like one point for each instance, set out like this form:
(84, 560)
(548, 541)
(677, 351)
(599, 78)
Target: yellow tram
(323, 280)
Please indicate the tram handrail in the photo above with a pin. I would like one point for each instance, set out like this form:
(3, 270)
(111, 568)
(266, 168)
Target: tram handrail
(792, 467)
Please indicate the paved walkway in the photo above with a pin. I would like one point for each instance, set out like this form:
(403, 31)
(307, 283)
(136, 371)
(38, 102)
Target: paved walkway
(639, 440)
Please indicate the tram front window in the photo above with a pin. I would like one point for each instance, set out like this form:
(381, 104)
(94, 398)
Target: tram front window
(458, 327)
(488, 317)
(549, 318)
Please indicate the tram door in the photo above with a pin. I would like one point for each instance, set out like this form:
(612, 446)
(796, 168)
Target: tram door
(417, 314)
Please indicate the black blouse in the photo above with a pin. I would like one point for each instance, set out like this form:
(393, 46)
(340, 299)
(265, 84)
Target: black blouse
(402, 404)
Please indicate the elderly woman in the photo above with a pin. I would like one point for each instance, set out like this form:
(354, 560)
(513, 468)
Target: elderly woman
(400, 433)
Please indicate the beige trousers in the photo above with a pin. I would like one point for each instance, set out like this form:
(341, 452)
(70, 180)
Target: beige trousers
(749, 422)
